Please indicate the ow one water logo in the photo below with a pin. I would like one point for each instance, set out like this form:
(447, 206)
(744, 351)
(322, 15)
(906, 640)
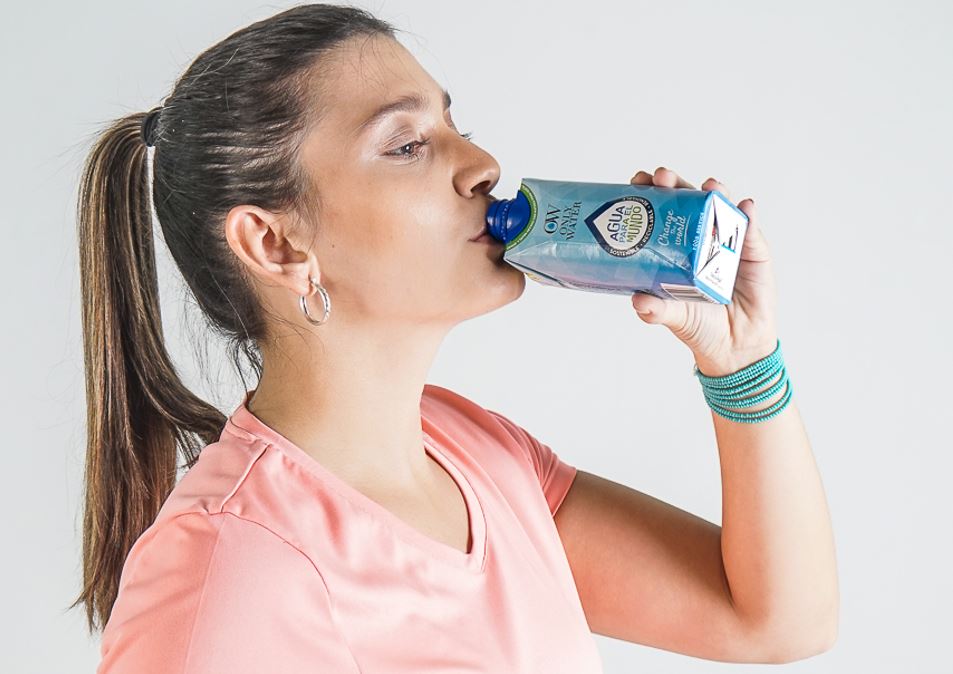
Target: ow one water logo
(622, 226)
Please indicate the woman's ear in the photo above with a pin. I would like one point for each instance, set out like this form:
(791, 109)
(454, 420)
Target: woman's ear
(263, 242)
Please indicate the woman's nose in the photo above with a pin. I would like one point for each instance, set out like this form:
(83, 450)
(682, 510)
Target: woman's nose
(478, 173)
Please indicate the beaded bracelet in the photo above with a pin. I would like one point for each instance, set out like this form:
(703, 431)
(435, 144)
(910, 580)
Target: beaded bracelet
(733, 389)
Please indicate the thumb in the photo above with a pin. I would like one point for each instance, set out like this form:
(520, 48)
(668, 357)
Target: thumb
(651, 309)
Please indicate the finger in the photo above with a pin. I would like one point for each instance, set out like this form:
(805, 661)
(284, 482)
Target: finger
(667, 178)
(646, 305)
(663, 177)
(641, 178)
(670, 313)
(712, 184)
(755, 244)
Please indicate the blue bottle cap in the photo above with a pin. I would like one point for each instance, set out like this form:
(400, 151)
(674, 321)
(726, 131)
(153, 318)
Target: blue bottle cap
(506, 218)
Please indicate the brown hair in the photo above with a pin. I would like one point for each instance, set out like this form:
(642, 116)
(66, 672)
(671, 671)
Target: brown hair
(228, 134)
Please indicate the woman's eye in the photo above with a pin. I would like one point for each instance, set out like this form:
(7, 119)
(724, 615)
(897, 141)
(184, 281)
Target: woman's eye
(413, 152)
(412, 149)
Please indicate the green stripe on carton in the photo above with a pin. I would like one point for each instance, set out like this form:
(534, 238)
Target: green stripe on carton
(533, 210)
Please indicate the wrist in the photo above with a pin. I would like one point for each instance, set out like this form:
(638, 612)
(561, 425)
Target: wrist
(734, 361)
(747, 388)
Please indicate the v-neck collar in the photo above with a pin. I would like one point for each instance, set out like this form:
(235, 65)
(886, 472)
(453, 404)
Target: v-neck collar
(474, 560)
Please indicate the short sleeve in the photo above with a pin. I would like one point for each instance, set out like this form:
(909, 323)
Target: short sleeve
(555, 475)
(206, 593)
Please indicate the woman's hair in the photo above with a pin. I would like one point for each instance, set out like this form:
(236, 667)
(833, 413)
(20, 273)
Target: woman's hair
(228, 134)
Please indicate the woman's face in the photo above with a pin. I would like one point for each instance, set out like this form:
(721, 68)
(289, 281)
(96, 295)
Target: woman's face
(401, 195)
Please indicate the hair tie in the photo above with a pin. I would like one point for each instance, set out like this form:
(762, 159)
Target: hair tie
(149, 126)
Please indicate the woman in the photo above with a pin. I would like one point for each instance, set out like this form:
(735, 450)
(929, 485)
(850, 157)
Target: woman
(347, 516)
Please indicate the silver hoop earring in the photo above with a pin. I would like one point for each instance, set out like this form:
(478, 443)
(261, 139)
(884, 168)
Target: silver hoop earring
(303, 299)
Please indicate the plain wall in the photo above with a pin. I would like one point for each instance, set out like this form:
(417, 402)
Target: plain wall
(835, 117)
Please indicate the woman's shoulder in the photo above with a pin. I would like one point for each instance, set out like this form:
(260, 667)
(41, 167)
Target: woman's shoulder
(442, 404)
(451, 413)
(497, 439)
(204, 591)
(220, 471)
(443, 407)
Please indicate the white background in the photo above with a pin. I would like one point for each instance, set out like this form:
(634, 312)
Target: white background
(835, 117)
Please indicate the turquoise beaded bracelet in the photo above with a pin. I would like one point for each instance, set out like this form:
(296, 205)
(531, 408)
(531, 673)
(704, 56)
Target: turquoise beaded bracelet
(731, 392)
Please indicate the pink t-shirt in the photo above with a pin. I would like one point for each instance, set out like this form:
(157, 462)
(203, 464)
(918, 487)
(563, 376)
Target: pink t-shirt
(263, 561)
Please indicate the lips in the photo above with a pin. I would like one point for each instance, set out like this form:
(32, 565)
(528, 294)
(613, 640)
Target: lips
(484, 229)
(478, 234)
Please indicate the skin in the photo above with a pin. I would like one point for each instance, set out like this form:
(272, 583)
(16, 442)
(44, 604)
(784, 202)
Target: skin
(390, 244)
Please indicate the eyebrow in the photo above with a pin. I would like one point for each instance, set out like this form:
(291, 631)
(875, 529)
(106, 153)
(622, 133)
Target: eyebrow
(408, 103)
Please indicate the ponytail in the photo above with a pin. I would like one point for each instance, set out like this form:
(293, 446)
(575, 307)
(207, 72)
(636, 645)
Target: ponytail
(138, 412)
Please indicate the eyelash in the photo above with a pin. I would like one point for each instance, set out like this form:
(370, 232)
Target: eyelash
(419, 143)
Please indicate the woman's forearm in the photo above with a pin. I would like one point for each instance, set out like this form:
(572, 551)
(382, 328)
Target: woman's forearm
(777, 542)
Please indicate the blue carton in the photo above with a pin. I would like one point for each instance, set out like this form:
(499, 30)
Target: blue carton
(673, 243)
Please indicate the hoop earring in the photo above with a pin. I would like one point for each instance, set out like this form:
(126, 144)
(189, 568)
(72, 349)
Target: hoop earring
(303, 299)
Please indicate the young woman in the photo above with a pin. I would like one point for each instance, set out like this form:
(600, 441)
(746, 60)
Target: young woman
(347, 516)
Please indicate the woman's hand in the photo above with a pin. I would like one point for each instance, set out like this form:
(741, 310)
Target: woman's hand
(723, 337)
